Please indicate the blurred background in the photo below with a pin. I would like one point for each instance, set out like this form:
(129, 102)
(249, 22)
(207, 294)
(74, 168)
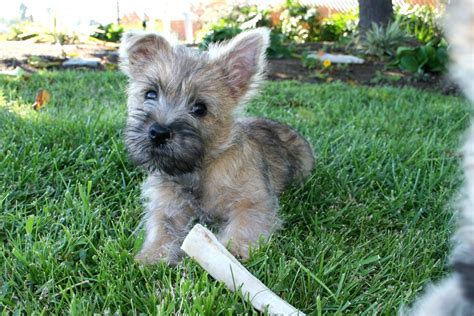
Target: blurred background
(397, 42)
(185, 20)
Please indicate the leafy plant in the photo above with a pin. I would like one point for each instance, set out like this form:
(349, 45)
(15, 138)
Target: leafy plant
(21, 31)
(247, 17)
(279, 48)
(383, 41)
(63, 38)
(422, 58)
(39, 33)
(310, 61)
(110, 32)
(299, 22)
(338, 25)
(421, 22)
(219, 34)
(245, 14)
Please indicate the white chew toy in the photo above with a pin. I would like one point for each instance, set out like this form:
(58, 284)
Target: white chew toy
(201, 245)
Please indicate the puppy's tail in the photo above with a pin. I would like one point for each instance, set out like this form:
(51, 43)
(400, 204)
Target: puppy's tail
(289, 156)
(296, 149)
(301, 151)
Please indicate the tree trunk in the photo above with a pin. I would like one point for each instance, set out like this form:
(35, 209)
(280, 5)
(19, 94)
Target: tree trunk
(374, 11)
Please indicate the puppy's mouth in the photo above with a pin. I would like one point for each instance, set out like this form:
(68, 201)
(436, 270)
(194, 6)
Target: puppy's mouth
(170, 159)
(179, 154)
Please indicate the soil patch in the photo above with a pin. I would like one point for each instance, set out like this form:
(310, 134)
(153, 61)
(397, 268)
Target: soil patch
(33, 56)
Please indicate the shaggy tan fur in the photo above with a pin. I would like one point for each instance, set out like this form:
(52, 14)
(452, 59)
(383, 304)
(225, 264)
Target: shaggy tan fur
(208, 161)
(455, 295)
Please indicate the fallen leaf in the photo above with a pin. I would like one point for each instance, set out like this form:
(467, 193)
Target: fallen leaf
(42, 97)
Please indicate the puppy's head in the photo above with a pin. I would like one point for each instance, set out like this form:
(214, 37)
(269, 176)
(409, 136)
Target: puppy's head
(181, 102)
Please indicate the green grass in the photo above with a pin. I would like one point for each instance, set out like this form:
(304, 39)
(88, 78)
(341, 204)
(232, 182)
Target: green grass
(362, 236)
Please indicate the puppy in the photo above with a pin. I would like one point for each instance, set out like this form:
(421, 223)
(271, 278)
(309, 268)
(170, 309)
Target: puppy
(205, 161)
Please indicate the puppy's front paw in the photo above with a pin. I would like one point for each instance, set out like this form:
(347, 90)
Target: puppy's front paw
(238, 247)
(150, 256)
(169, 254)
(241, 251)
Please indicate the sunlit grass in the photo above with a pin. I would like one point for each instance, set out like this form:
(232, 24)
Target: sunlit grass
(363, 235)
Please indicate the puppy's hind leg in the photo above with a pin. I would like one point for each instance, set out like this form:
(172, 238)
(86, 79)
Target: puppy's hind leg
(249, 219)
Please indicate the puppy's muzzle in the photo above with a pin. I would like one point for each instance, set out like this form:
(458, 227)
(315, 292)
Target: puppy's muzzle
(159, 134)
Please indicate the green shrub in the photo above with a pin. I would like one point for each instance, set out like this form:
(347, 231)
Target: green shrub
(218, 34)
(110, 32)
(421, 22)
(243, 14)
(245, 17)
(279, 46)
(61, 38)
(425, 58)
(299, 22)
(29, 30)
(22, 31)
(384, 41)
(310, 61)
(339, 25)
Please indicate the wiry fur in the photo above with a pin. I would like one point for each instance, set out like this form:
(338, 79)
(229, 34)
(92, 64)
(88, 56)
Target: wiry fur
(220, 167)
(455, 294)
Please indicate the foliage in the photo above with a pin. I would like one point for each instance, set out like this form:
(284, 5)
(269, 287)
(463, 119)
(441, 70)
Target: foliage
(242, 18)
(370, 224)
(299, 22)
(279, 46)
(248, 14)
(421, 22)
(109, 32)
(21, 31)
(338, 25)
(422, 58)
(310, 61)
(217, 34)
(39, 33)
(384, 41)
(64, 37)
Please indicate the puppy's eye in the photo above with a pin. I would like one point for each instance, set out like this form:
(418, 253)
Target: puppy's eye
(151, 95)
(199, 108)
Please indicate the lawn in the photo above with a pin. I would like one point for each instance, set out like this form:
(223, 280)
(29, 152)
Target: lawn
(363, 235)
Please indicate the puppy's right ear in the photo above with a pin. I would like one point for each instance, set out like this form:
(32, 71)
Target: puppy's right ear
(138, 49)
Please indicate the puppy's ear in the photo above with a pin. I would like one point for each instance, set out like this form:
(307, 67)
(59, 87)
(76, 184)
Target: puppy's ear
(243, 60)
(138, 49)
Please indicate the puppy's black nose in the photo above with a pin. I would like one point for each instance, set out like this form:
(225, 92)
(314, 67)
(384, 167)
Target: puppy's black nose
(159, 134)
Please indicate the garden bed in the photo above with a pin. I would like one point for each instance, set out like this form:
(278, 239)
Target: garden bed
(35, 56)
(370, 73)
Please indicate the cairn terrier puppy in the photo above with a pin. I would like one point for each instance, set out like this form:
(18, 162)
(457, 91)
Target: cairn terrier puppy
(203, 160)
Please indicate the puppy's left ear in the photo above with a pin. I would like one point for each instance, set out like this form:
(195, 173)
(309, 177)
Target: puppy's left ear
(139, 49)
(243, 60)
